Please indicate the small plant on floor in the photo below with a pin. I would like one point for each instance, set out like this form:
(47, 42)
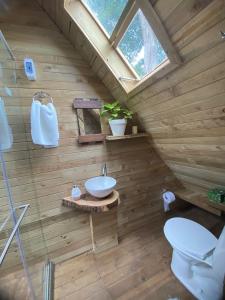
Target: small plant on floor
(117, 116)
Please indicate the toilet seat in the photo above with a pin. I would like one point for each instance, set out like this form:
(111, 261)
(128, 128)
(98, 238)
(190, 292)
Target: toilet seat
(190, 237)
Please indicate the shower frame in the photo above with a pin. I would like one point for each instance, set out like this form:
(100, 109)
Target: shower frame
(48, 268)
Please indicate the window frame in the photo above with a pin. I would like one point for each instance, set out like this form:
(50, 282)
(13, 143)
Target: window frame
(133, 84)
(110, 39)
(116, 47)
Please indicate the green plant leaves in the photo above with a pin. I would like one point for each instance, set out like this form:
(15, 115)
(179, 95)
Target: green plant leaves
(115, 111)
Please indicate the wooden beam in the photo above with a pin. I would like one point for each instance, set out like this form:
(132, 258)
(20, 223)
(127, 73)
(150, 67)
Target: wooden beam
(159, 31)
(128, 8)
(104, 230)
(125, 20)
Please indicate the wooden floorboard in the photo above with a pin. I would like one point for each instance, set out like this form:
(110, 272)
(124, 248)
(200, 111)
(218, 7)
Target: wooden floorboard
(139, 268)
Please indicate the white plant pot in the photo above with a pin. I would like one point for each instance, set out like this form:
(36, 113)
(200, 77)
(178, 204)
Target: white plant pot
(118, 126)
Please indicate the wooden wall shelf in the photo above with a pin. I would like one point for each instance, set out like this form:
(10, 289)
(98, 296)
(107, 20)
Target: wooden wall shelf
(220, 206)
(200, 200)
(91, 138)
(125, 137)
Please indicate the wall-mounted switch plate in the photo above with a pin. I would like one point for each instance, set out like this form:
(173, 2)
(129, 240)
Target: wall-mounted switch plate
(29, 68)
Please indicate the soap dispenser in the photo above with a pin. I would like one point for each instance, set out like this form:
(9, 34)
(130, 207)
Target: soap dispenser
(76, 192)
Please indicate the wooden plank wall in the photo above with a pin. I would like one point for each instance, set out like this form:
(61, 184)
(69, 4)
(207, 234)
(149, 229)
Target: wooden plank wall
(42, 177)
(185, 110)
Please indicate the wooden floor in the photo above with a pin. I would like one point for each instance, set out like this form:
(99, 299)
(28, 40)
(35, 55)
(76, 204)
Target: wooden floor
(14, 286)
(139, 268)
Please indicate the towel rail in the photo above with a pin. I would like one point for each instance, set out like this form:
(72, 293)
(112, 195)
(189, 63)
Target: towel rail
(9, 241)
(41, 96)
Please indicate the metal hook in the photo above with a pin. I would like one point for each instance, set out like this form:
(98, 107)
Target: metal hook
(222, 34)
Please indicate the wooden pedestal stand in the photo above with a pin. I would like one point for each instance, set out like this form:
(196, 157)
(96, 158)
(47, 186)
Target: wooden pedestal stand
(103, 218)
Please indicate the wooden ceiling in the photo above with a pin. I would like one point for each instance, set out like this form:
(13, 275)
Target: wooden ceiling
(185, 111)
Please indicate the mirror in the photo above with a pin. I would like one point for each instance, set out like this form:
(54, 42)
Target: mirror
(88, 119)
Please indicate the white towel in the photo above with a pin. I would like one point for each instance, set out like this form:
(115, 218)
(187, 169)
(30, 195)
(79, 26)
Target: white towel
(6, 137)
(44, 125)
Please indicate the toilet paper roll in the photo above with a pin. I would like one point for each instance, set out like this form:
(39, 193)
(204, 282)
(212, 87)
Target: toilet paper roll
(168, 197)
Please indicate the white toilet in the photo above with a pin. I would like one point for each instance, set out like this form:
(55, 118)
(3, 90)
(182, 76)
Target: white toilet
(198, 259)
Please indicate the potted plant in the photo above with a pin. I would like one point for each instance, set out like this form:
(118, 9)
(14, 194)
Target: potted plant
(117, 117)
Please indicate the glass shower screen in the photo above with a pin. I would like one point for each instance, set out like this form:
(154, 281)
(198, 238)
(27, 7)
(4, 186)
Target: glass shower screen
(21, 268)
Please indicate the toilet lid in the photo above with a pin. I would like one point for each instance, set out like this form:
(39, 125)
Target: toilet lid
(189, 236)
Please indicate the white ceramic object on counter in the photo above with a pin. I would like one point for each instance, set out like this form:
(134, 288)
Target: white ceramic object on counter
(100, 186)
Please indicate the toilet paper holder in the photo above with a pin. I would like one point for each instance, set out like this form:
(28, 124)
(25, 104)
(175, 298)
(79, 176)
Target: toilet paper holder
(168, 197)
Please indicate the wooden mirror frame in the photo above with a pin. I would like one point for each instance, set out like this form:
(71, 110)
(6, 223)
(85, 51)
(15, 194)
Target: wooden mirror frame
(88, 103)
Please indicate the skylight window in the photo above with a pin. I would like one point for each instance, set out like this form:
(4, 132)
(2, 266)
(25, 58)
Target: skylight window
(129, 37)
(107, 12)
(140, 46)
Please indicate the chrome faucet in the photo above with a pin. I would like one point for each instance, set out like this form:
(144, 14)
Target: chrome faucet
(104, 170)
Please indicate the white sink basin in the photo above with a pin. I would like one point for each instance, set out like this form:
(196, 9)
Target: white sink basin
(100, 186)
